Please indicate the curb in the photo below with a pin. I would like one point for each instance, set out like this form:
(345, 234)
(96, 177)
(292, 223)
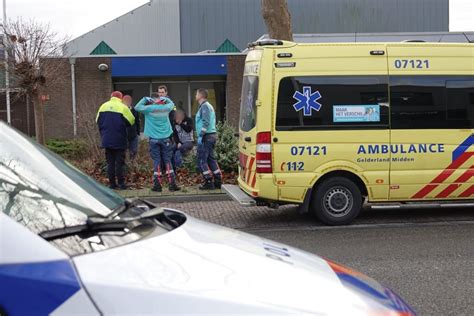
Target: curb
(187, 198)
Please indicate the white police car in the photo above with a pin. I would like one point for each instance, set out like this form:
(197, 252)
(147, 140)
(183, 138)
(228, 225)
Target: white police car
(68, 245)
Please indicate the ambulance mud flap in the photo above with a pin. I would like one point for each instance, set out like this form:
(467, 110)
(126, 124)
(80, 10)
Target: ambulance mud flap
(238, 195)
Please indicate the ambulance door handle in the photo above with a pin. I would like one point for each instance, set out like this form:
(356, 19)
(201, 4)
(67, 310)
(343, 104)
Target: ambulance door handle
(248, 139)
(275, 140)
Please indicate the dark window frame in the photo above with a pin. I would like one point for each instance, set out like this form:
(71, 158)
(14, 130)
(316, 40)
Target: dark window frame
(440, 106)
(359, 79)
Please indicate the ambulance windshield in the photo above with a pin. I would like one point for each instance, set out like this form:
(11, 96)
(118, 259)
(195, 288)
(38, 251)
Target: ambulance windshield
(248, 109)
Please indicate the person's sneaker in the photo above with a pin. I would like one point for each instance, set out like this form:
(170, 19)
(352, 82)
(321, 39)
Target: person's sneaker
(218, 184)
(113, 186)
(208, 185)
(173, 187)
(157, 188)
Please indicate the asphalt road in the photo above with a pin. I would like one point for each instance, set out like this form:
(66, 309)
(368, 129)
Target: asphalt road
(431, 265)
(425, 255)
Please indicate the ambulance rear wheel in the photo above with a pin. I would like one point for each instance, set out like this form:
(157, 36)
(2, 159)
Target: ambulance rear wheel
(337, 201)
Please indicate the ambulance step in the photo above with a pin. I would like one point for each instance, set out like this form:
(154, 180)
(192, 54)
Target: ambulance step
(418, 205)
(238, 195)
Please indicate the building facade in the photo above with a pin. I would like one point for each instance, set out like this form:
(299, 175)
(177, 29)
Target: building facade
(190, 26)
(189, 44)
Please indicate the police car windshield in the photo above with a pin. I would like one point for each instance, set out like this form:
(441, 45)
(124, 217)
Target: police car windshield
(42, 191)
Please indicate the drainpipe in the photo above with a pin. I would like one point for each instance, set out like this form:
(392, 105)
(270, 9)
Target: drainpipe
(72, 61)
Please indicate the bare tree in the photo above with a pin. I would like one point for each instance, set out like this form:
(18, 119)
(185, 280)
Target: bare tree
(277, 19)
(33, 50)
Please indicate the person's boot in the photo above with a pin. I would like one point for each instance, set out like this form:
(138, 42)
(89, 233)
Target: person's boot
(218, 183)
(157, 188)
(173, 187)
(208, 185)
(113, 184)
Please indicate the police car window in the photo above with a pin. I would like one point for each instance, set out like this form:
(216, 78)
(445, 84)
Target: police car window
(332, 102)
(431, 102)
(248, 111)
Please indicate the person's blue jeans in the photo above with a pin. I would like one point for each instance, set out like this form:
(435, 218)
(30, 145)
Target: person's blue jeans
(180, 152)
(160, 152)
(206, 156)
(133, 148)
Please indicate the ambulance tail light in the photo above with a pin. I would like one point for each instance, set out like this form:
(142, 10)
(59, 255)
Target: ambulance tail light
(264, 152)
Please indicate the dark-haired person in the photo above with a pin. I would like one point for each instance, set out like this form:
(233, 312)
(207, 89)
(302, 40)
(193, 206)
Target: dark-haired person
(207, 138)
(183, 135)
(133, 132)
(113, 119)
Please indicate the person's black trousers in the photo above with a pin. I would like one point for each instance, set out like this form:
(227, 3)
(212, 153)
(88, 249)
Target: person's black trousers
(115, 165)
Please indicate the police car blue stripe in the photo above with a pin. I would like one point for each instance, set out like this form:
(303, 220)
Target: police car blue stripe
(36, 288)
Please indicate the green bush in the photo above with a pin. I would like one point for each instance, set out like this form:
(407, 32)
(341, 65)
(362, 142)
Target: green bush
(227, 148)
(68, 149)
(190, 162)
(227, 151)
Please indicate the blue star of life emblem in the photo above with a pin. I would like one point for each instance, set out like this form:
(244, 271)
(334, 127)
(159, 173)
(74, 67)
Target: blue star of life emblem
(307, 101)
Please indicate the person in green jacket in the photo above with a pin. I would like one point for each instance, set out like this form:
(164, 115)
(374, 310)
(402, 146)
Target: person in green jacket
(159, 132)
(207, 138)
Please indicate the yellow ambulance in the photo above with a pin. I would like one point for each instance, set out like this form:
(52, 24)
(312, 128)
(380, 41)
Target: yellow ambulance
(331, 126)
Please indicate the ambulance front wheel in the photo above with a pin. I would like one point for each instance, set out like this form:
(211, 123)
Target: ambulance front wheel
(337, 201)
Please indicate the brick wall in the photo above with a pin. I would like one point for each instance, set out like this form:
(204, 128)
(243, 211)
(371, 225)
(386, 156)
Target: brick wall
(93, 88)
(235, 70)
(58, 110)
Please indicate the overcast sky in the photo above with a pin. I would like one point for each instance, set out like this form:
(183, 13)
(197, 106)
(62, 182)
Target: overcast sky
(76, 17)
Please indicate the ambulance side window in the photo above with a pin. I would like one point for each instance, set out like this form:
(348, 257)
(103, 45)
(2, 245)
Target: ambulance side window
(332, 102)
(460, 103)
(431, 102)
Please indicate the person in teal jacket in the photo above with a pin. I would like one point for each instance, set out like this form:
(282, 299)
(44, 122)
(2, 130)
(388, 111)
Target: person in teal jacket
(158, 130)
(207, 138)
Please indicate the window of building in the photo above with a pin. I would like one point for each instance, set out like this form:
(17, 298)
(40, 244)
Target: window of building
(216, 96)
(181, 90)
(336, 102)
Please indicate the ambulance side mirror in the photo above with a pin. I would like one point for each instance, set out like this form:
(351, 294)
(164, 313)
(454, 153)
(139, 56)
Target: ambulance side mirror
(258, 102)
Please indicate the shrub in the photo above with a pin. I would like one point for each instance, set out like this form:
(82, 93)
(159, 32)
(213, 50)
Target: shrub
(69, 149)
(227, 147)
(227, 151)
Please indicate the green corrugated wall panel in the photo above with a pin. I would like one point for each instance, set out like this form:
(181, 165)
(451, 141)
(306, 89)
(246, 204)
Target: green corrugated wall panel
(227, 47)
(103, 49)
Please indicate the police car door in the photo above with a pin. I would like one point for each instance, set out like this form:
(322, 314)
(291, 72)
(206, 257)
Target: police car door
(432, 110)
